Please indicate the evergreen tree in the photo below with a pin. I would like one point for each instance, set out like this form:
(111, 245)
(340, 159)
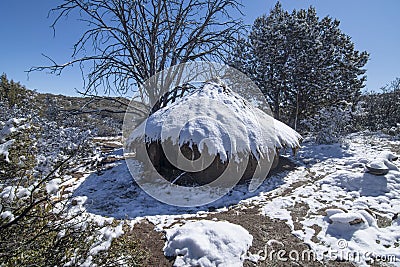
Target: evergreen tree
(301, 63)
(269, 56)
(12, 93)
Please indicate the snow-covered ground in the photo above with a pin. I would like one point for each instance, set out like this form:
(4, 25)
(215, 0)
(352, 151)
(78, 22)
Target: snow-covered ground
(351, 214)
(345, 202)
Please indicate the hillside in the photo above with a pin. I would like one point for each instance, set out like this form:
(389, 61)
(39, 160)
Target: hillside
(102, 115)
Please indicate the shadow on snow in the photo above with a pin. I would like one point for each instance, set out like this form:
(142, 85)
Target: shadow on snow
(114, 193)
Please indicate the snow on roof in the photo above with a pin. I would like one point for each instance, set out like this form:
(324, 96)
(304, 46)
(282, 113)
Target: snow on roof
(220, 118)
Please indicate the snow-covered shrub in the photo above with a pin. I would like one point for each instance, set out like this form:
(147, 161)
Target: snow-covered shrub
(330, 123)
(26, 207)
(37, 226)
(18, 155)
(395, 130)
(102, 117)
(382, 111)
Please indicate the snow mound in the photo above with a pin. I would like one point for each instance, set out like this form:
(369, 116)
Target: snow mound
(350, 217)
(208, 243)
(216, 113)
(330, 212)
(389, 156)
(382, 164)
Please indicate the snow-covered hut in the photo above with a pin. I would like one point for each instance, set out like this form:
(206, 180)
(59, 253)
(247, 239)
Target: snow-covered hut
(215, 121)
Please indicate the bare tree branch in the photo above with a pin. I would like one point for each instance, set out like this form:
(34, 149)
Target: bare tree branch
(127, 42)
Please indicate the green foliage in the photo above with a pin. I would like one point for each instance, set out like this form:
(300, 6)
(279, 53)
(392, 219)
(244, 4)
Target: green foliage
(123, 250)
(38, 228)
(301, 63)
(35, 239)
(382, 109)
(11, 92)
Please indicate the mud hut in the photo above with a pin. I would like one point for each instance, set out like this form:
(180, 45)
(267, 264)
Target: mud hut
(195, 138)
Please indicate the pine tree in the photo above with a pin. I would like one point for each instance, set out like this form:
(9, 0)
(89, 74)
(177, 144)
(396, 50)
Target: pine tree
(11, 92)
(268, 48)
(301, 63)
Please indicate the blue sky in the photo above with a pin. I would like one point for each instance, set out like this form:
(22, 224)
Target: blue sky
(26, 34)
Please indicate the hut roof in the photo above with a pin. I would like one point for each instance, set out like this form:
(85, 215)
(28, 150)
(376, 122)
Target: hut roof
(220, 118)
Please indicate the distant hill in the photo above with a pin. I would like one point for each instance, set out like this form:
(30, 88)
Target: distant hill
(102, 115)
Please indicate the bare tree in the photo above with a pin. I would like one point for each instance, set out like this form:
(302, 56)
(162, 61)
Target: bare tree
(128, 41)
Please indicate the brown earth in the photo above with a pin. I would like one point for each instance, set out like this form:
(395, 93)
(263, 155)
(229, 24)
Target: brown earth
(261, 227)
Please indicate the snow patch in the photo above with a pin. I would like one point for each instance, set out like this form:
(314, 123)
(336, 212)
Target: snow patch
(279, 210)
(208, 243)
(7, 215)
(345, 202)
(4, 149)
(53, 185)
(107, 235)
(10, 192)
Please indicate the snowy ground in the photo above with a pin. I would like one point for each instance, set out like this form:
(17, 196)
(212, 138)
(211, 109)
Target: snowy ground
(355, 212)
(349, 214)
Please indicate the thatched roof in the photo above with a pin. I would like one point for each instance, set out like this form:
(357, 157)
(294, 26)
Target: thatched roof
(220, 118)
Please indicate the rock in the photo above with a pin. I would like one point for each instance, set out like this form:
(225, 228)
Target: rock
(389, 156)
(356, 221)
(382, 164)
(377, 168)
(349, 217)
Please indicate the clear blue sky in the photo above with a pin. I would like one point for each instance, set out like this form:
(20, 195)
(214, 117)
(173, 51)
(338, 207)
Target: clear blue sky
(26, 34)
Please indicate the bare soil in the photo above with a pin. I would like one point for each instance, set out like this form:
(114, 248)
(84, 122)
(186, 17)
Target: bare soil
(262, 228)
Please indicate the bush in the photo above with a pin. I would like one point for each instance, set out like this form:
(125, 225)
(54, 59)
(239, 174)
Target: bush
(30, 223)
(330, 123)
(38, 226)
(382, 110)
